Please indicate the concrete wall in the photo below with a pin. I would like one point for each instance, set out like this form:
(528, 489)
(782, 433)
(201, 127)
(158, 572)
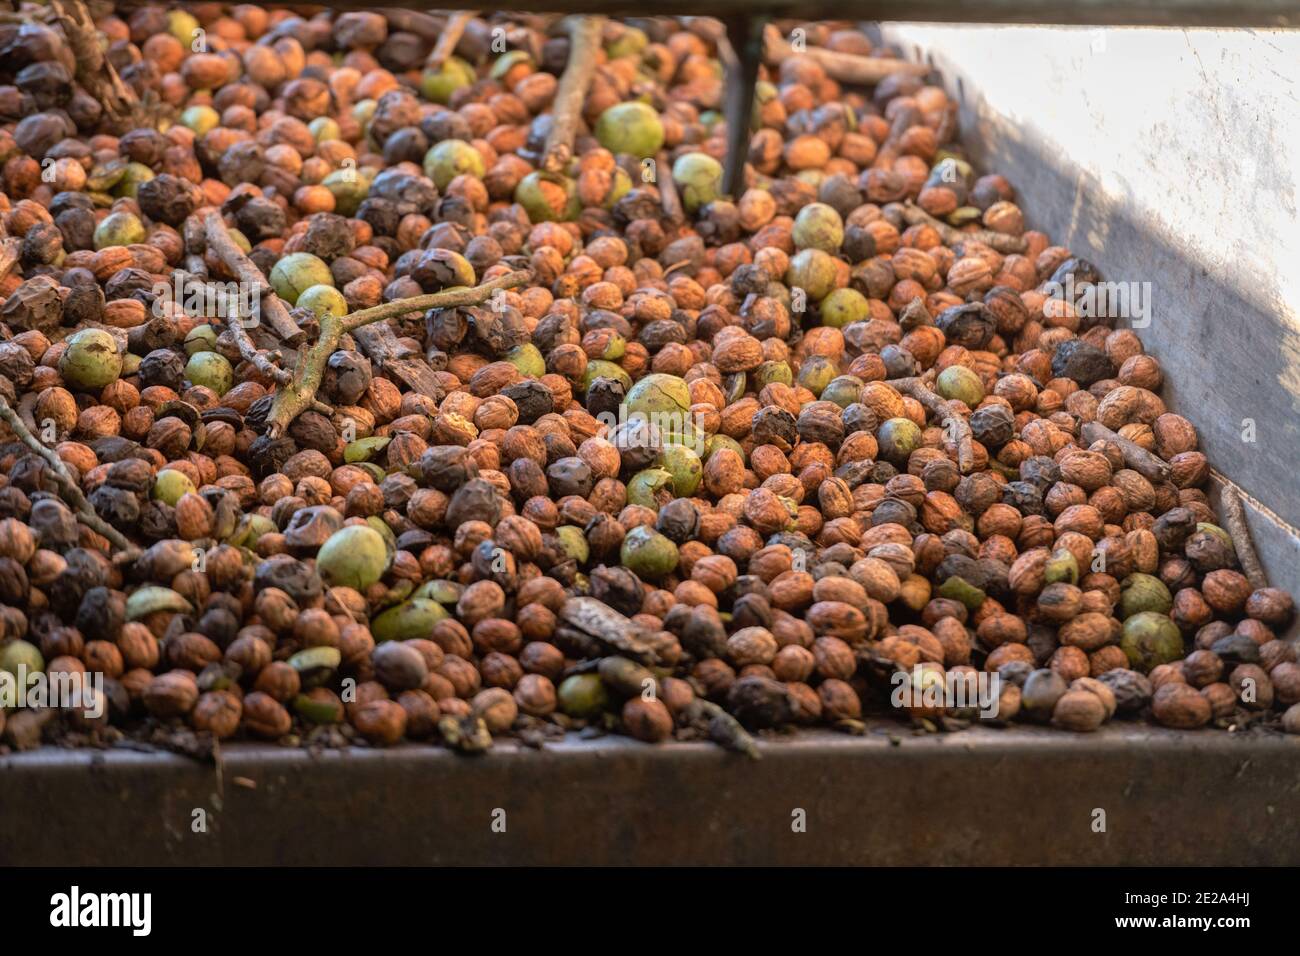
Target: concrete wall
(1170, 157)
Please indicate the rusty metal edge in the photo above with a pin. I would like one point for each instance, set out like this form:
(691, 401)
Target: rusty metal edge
(989, 797)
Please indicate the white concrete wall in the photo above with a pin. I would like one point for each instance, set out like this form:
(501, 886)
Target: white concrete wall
(1171, 157)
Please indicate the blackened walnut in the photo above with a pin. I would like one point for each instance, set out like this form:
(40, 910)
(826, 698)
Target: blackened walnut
(1081, 361)
(168, 199)
(679, 520)
(970, 325)
(759, 702)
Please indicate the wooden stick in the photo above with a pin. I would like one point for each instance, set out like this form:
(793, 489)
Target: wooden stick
(914, 215)
(297, 396)
(94, 70)
(1150, 466)
(71, 490)
(233, 258)
(741, 51)
(1234, 522)
(845, 67)
(566, 111)
(947, 416)
(668, 198)
(449, 38)
(722, 728)
(260, 359)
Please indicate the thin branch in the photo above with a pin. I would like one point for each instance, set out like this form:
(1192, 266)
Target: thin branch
(914, 215)
(1234, 522)
(449, 38)
(297, 396)
(95, 71)
(242, 267)
(668, 198)
(1147, 464)
(845, 67)
(723, 729)
(566, 111)
(947, 416)
(71, 490)
(258, 358)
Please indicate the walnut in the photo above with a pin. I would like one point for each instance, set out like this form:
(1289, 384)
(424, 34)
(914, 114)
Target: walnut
(1226, 591)
(835, 588)
(837, 619)
(172, 694)
(1190, 611)
(1190, 469)
(647, 720)
(380, 721)
(1180, 706)
(399, 666)
(833, 658)
(793, 663)
(195, 518)
(1272, 606)
(970, 275)
(496, 707)
(279, 681)
(1202, 668)
(264, 716)
(751, 645)
(1080, 711)
(1085, 519)
(218, 712)
(1174, 435)
(1087, 469)
(737, 353)
(1222, 699)
(535, 694)
(839, 700)
(1252, 685)
(58, 406)
(767, 512)
(191, 651)
(716, 572)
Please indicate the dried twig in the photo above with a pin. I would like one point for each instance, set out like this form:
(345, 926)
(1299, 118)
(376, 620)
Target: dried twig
(947, 416)
(71, 490)
(297, 396)
(723, 729)
(1150, 466)
(1234, 522)
(449, 38)
(999, 242)
(260, 359)
(845, 67)
(566, 111)
(668, 198)
(242, 267)
(94, 70)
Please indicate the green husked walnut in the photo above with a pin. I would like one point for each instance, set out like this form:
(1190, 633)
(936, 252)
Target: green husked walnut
(296, 273)
(699, 179)
(632, 128)
(91, 360)
(355, 557)
(648, 554)
(1151, 639)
